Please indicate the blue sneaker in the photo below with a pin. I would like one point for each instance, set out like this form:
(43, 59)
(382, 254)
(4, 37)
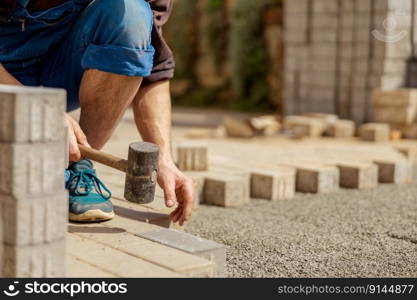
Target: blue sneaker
(89, 198)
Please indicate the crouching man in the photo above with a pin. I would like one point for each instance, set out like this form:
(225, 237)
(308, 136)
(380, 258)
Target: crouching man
(108, 55)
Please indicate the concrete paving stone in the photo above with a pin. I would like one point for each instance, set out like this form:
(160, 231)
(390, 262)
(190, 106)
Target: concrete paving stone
(341, 129)
(322, 50)
(121, 264)
(398, 172)
(395, 98)
(118, 223)
(305, 126)
(227, 190)
(139, 213)
(388, 66)
(297, 7)
(34, 221)
(391, 81)
(296, 36)
(409, 151)
(192, 156)
(316, 178)
(347, 18)
(162, 255)
(267, 125)
(375, 132)
(327, 118)
(347, 36)
(272, 185)
(361, 49)
(400, 49)
(155, 212)
(395, 115)
(358, 176)
(41, 260)
(325, 35)
(363, 6)
(409, 131)
(30, 170)
(393, 5)
(78, 268)
(207, 249)
(238, 128)
(31, 115)
(295, 21)
(347, 6)
(325, 7)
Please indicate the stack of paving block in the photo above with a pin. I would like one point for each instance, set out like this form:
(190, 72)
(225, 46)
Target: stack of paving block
(302, 126)
(318, 124)
(249, 127)
(398, 108)
(297, 35)
(337, 52)
(192, 156)
(375, 132)
(33, 200)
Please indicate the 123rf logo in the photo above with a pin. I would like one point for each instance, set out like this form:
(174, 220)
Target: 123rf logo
(392, 31)
(70, 289)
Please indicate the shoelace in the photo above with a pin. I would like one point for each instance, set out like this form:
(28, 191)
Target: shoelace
(86, 181)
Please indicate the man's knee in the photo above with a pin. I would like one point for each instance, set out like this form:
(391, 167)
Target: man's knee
(125, 20)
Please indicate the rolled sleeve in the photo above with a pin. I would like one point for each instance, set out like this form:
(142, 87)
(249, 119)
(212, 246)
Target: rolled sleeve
(119, 60)
(163, 59)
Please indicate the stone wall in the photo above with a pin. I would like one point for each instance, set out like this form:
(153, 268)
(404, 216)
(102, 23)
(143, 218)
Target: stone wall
(337, 52)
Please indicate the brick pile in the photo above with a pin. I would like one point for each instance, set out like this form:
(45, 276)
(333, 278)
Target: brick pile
(33, 200)
(338, 52)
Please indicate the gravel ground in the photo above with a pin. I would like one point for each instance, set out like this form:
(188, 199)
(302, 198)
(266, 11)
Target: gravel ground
(346, 234)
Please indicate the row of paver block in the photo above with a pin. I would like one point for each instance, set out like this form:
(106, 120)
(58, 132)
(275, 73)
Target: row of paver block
(234, 185)
(319, 124)
(33, 200)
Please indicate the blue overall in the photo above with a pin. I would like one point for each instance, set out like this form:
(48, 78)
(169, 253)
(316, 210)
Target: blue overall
(54, 47)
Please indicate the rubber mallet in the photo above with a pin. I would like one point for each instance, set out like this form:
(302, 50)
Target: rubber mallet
(141, 169)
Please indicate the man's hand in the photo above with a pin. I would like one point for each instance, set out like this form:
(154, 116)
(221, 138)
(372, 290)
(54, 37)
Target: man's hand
(75, 136)
(178, 188)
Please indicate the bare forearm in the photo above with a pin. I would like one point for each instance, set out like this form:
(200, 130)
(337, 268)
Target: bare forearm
(152, 110)
(6, 78)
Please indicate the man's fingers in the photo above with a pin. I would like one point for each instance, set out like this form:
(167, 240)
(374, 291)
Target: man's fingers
(176, 214)
(188, 200)
(73, 150)
(75, 136)
(169, 192)
(79, 134)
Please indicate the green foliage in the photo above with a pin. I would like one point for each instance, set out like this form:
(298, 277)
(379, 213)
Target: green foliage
(182, 35)
(215, 30)
(199, 97)
(247, 54)
(238, 40)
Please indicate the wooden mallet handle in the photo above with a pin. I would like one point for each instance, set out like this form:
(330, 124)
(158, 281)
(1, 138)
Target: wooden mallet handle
(104, 158)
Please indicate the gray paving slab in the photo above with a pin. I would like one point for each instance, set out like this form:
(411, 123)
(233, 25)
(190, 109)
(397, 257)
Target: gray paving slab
(191, 244)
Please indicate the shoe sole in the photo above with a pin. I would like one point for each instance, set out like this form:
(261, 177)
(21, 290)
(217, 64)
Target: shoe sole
(94, 215)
